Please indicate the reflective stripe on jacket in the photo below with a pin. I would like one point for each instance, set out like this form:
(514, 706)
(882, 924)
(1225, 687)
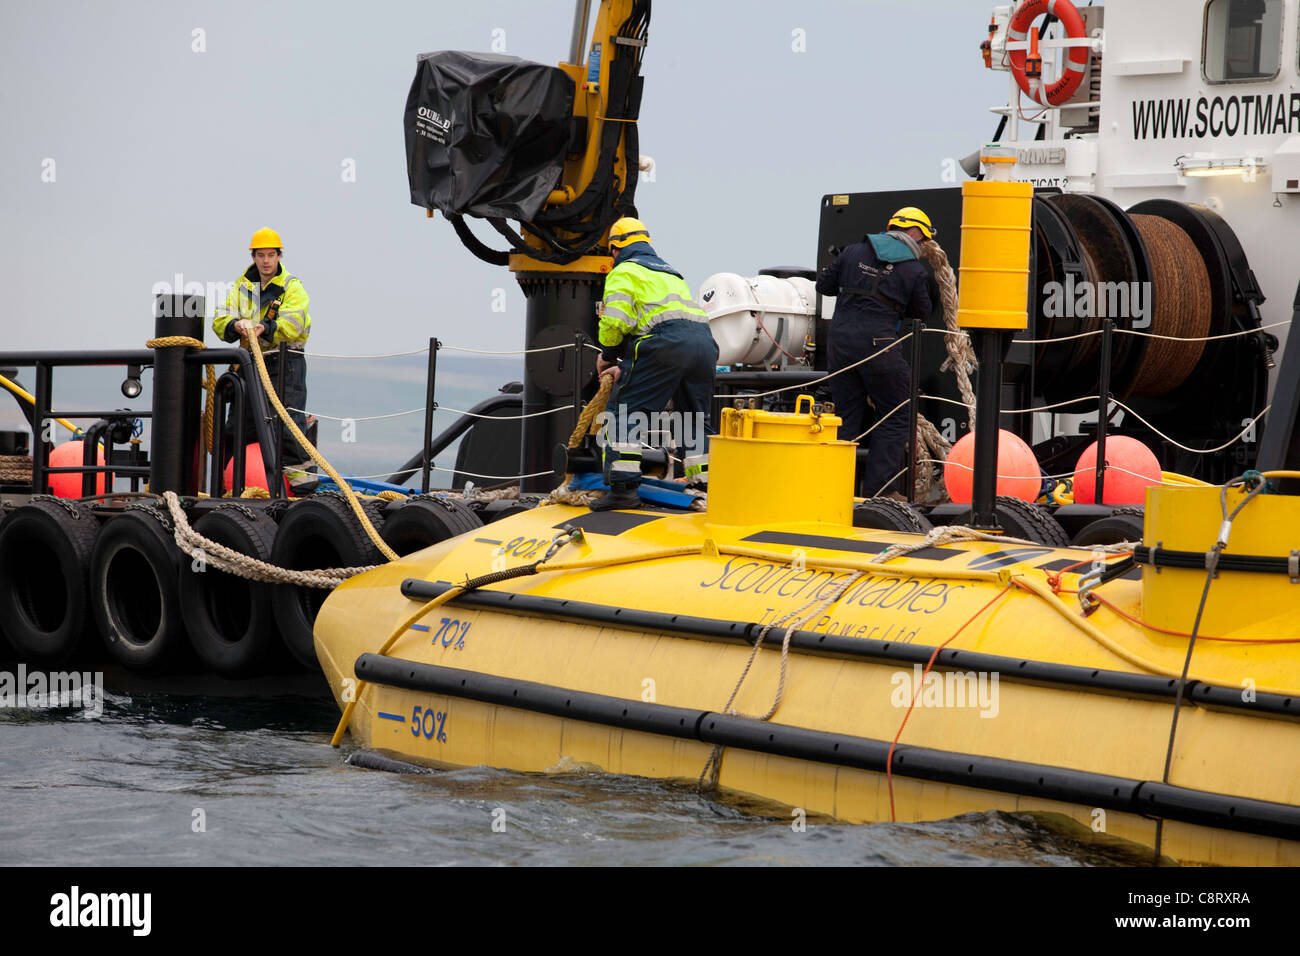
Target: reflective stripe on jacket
(637, 298)
(248, 300)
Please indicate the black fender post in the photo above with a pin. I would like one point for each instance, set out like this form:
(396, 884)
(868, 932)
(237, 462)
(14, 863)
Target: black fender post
(176, 394)
(988, 389)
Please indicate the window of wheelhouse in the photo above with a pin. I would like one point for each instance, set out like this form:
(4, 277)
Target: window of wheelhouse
(1243, 40)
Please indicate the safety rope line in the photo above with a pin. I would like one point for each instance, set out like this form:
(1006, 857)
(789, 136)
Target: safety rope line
(448, 348)
(1196, 451)
(440, 408)
(817, 381)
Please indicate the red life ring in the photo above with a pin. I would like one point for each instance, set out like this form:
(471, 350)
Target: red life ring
(1075, 63)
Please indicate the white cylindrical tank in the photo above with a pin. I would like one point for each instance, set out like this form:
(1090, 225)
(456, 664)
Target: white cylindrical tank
(758, 320)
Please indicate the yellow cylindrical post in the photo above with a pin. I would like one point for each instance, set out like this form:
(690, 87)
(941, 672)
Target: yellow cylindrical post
(780, 467)
(994, 273)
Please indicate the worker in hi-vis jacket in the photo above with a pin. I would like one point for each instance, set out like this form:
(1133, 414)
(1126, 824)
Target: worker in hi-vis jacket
(649, 321)
(269, 305)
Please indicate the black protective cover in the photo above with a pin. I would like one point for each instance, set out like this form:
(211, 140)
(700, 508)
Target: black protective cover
(486, 135)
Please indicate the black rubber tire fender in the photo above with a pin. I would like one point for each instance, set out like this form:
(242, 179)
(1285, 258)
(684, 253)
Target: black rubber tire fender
(316, 532)
(886, 514)
(230, 621)
(44, 574)
(504, 508)
(1120, 526)
(1021, 519)
(423, 522)
(134, 595)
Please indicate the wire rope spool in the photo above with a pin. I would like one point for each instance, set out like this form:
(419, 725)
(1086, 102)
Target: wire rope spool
(1181, 307)
(45, 549)
(231, 624)
(1118, 273)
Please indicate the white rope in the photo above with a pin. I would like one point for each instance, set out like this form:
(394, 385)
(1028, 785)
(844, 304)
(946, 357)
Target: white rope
(1202, 338)
(505, 418)
(1019, 411)
(461, 348)
(447, 348)
(364, 418)
(881, 420)
(328, 355)
(1196, 451)
(817, 381)
(440, 408)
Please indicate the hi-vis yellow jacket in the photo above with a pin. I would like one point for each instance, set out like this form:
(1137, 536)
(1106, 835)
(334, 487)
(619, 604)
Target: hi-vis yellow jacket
(637, 299)
(248, 300)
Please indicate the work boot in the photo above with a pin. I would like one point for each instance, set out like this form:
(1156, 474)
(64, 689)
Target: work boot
(617, 498)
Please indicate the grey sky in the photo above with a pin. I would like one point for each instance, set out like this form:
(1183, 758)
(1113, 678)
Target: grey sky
(166, 159)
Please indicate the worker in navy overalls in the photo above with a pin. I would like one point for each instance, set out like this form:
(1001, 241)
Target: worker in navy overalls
(876, 283)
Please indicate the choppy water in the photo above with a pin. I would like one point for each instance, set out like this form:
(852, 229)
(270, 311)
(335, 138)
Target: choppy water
(126, 788)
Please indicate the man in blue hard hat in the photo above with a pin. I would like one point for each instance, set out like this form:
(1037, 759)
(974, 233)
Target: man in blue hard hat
(649, 321)
(876, 283)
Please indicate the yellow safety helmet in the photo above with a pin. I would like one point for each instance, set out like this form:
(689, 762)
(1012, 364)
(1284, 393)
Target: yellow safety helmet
(910, 216)
(265, 238)
(627, 231)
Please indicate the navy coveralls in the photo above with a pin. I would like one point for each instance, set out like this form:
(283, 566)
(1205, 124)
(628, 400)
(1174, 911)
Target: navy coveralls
(876, 283)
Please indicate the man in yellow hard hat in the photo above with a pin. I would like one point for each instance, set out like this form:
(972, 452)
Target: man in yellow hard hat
(649, 321)
(267, 306)
(876, 283)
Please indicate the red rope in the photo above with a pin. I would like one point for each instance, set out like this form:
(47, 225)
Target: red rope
(889, 761)
(1200, 637)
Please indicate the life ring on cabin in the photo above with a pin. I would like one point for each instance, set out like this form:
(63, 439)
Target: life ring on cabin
(230, 621)
(317, 532)
(133, 591)
(420, 522)
(1076, 61)
(45, 550)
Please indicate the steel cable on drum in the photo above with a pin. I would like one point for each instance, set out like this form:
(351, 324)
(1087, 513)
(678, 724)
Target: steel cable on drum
(1182, 308)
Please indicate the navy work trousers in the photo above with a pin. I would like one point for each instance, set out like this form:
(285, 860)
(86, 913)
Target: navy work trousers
(676, 362)
(886, 380)
(294, 396)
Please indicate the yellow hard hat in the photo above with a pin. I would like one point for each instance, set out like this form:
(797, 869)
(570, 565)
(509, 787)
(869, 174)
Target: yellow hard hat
(627, 231)
(265, 238)
(910, 216)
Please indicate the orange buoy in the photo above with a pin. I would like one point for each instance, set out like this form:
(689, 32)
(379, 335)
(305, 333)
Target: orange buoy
(1131, 468)
(254, 469)
(68, 455)
(1018, 471)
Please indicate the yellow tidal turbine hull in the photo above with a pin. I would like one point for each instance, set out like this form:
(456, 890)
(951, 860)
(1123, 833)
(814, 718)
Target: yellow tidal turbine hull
(1029, 706)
